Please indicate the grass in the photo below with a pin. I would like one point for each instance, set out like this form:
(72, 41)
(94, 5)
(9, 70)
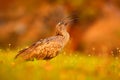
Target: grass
(62, 67)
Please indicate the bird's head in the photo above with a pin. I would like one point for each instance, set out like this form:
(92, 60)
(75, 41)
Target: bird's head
(64, 23)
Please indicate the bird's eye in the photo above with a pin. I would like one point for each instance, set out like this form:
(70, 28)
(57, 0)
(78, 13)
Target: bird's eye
(59, 23)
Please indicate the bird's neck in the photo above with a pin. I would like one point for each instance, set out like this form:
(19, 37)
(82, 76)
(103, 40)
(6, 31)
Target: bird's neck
(66, 37)
(64, 34)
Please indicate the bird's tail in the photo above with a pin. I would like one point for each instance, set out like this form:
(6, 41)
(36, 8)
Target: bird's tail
(19, 53)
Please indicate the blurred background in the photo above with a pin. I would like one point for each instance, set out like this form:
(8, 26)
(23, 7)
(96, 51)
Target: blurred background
(97, 32)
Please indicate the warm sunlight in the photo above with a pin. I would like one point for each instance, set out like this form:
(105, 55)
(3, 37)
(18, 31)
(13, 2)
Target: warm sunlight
(59, 40)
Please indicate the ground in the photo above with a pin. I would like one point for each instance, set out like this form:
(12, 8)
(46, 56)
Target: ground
(62, 67)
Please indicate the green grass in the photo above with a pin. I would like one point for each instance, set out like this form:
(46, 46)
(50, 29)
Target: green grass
(62, 67)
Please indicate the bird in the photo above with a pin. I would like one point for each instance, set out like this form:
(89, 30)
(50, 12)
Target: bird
(48, 48)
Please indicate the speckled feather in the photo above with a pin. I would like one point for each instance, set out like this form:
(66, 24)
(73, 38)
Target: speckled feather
(43, 49)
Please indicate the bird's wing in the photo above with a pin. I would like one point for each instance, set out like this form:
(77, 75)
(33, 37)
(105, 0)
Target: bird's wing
(49, 50)
(41, 50)
(28, 50)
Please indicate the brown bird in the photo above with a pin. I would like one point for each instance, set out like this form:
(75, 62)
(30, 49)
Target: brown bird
(48, 48)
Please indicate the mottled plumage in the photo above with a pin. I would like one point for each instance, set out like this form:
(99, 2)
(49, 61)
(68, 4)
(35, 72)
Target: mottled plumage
(47, 48)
